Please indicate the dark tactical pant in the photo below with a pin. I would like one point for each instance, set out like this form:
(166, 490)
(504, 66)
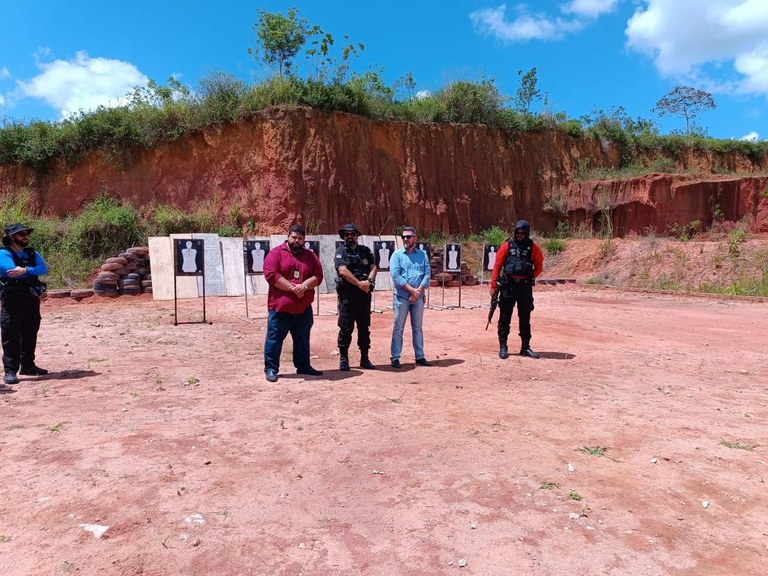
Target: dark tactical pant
(520, 293)
(354, 308)
(19, 324)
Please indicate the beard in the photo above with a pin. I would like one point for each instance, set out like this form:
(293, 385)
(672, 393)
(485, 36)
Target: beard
(295, 248)
(350, 242)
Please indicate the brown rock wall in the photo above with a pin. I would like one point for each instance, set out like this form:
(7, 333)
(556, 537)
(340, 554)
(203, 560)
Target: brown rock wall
(321, 168)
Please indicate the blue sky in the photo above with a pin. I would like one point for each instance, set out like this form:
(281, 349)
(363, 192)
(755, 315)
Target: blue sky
(58, 57)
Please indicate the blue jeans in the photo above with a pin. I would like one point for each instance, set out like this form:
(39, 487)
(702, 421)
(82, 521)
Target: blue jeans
(279, 324)
(402, 308)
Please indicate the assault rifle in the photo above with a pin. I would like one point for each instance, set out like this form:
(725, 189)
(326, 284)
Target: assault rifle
(494, 304)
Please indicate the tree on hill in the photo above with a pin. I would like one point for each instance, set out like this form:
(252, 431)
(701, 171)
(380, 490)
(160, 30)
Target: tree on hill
(528, 91)
(279, 38)
(685, 102)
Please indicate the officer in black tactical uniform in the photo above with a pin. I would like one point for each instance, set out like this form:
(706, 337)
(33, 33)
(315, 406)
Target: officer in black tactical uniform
(519, 261)
(20, 268)
(355, 284)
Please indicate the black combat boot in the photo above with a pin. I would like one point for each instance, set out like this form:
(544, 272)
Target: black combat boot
(503, 350)
(344, 359)
(527, 351)
(365, 362)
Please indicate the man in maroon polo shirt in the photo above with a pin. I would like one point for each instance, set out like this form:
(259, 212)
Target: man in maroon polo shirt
(292, 273)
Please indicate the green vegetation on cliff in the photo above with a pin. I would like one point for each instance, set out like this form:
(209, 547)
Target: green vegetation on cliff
(157, 113)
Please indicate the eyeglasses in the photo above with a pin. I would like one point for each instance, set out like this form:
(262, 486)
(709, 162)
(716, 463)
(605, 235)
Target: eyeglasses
(406, 237)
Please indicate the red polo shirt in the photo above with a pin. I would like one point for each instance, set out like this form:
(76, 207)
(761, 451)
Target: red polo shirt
(281, 263)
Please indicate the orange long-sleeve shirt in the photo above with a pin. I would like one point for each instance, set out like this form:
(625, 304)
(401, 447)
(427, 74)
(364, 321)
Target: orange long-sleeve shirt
(501, 256)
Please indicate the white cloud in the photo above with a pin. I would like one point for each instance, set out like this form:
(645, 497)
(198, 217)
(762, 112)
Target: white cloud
(589, 8)
(685, 36)
(422, 94)
(2, 100)
(751, 137)
(4, 73)
(526, 25)
(84, 83)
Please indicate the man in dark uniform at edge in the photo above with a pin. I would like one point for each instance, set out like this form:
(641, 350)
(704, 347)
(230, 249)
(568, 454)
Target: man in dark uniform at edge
(518, 262)
(20, 267)
(357, 275)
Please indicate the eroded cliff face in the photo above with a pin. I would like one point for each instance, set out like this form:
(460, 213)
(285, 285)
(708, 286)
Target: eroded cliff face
(325, 168)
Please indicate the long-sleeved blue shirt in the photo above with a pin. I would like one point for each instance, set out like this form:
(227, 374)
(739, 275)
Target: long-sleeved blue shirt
(6, 263)
(409, 268)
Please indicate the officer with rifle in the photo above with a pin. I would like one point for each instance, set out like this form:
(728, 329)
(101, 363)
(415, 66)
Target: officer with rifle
(355, 283)
(518, 262)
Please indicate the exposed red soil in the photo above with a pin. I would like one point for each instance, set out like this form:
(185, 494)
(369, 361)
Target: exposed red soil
(142, 425)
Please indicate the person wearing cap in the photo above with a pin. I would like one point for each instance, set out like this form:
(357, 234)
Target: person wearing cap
(519, 261)
(292, 273)
(20, 269)
(356, 271)
(410, 269)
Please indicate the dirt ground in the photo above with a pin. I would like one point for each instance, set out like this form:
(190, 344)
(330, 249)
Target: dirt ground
(635, 446)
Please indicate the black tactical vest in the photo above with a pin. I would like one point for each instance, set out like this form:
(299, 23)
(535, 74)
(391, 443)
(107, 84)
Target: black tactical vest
(359, 262)
(519, 260)
(21, 286)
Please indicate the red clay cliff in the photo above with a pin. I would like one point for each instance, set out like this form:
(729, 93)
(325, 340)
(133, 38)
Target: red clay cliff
(322, 168)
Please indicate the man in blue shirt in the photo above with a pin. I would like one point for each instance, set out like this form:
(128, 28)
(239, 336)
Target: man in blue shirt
(410, 270)
(20, 267)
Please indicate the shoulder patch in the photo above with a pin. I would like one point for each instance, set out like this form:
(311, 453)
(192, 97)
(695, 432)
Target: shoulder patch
(338, 255)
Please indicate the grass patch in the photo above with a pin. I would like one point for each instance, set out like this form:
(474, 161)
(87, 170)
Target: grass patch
(549, 486)
(573, 495)
(593, 450)
(738, 445)
(554, 245)
(57, 427)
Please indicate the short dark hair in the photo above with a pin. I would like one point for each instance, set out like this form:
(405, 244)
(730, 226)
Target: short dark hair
(297, 228)
(411, 229)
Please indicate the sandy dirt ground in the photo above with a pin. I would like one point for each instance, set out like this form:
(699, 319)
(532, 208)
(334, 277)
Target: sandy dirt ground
(635, 446)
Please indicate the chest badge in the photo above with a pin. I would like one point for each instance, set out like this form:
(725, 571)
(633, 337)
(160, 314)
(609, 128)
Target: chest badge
(296, 274)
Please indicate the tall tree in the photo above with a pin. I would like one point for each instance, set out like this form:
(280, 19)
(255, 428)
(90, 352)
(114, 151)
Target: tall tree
(528, 91)
(685, 102)
(279, 38)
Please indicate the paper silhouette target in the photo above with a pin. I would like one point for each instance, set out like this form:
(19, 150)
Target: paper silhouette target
(382, 252)
(489, 257)
(452, 258)
(314, 245)
(254, 252)
(188, 257)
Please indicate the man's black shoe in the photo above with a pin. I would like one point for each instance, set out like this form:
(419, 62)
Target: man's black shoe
(366, 364)
(503, 352)
(33, 371)
(344, 365)
(395, 363)
(271, 375)
(423, 362)
(309, 371)
(10, 378)
(529, 353)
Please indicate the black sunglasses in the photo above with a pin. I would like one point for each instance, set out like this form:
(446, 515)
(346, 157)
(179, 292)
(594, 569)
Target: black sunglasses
(406, 237)
(349, 234)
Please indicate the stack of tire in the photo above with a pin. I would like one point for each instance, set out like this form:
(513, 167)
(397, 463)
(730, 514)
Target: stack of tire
(127, 273)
